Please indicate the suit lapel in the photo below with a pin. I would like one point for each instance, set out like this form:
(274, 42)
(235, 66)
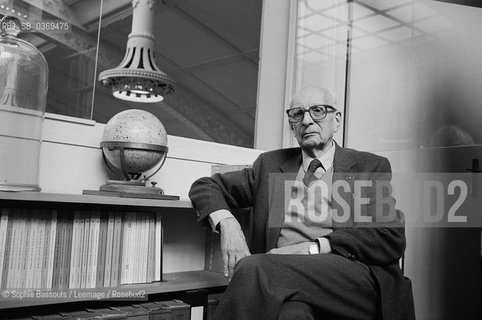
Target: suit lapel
(286, 172)
(291, 164)
(344, 173)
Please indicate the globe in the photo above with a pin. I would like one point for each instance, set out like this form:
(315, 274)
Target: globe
(134, 141)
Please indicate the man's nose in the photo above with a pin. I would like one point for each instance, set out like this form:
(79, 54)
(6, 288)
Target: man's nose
(307, 119)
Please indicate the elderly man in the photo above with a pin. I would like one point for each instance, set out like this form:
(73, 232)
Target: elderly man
(332, 251)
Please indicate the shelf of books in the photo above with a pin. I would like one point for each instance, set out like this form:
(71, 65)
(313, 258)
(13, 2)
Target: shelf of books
(52, 253)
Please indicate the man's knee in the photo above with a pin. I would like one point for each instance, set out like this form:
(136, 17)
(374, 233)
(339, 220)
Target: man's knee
(251, 264)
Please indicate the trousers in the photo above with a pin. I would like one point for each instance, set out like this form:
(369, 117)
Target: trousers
(272, 286)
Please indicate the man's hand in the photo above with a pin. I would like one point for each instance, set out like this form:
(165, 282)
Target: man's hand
(233, 245)
(303, 247)
(298, 248)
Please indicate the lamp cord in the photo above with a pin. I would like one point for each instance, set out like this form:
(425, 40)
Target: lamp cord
(101, 10)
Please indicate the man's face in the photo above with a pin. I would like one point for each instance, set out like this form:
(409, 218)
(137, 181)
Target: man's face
(314, 135)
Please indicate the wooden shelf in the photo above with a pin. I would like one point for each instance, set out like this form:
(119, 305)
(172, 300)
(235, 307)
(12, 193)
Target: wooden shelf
(92, 200)
(179, 281)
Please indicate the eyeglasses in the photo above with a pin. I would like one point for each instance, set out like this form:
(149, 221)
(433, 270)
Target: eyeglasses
(317, 112)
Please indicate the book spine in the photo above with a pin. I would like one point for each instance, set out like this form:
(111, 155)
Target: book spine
(67, 251)
(8, 245)
(39, 251)
(74, 249)
(134, 255)
(159, 240)
(117, 249)
(127, 255)
(45, 261)
(137, 248)
(81, 249)
(3, 239)
(31, 252)
(85, 249)
(20, 260)
(109, 247)
(62, 250)
(95, 248)
(151, 251)
(57, 254)
(25, 254)
(145, 247)
(63, 235)
(51, 253)
(99, 283)
(63, 244)
(13, 250)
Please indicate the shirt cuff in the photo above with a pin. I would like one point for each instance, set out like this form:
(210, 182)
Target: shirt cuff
(215, 218)
(324, 244)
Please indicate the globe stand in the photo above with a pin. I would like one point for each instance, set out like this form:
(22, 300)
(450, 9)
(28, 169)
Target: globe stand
(133, 186)
(130, 189)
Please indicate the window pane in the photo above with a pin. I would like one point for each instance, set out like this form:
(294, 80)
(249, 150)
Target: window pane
(210, 48)
(320, 48)
(69, 49)
(321, 44)
(415, 75)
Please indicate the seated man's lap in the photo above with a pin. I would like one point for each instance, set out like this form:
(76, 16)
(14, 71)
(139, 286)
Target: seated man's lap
(331, 269)
(327, 282)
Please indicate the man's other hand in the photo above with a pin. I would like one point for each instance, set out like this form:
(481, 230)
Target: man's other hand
(233, 245)
(298, 248)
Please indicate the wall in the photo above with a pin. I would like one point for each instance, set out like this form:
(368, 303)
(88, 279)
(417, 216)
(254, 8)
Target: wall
(71, 161)
(270, 103)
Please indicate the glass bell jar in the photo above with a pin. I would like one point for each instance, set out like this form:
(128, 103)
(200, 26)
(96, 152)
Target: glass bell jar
(23, 93)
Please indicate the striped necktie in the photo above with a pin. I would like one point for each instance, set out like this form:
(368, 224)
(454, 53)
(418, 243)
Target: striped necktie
(310, 173)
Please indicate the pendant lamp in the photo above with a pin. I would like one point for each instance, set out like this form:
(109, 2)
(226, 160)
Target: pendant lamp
(138, 78)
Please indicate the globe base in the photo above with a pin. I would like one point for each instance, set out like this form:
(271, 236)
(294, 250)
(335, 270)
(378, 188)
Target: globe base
(130, 186)
(130, 189)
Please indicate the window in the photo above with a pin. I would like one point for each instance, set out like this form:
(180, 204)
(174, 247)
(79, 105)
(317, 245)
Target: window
(407, 71)
(209, 47)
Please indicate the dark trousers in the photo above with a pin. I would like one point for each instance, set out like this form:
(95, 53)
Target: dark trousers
(323, 286)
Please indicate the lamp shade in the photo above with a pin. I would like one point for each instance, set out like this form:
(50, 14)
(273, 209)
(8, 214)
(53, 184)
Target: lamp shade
(138, 78)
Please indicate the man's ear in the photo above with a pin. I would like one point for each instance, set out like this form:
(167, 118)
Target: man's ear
(338, 120)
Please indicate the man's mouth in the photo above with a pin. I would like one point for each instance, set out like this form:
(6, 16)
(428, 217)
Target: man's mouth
(307, 134)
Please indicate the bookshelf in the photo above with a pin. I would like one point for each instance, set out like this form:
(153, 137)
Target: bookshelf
(77, 199)
(171, 282)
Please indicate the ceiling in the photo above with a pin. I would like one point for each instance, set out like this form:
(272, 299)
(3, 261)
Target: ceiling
(374, 24)
(209, 47)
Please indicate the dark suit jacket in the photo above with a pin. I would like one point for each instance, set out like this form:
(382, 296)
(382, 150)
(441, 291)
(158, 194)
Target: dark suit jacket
(379, 244)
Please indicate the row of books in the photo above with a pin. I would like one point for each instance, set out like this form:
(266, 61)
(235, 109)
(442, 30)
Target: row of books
(54, 249)
(160, 310)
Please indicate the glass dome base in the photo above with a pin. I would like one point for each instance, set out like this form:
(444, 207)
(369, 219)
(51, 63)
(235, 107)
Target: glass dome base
(18, 187)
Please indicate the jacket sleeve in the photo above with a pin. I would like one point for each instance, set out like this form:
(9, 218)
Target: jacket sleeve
(382, 240)
(231, 191)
